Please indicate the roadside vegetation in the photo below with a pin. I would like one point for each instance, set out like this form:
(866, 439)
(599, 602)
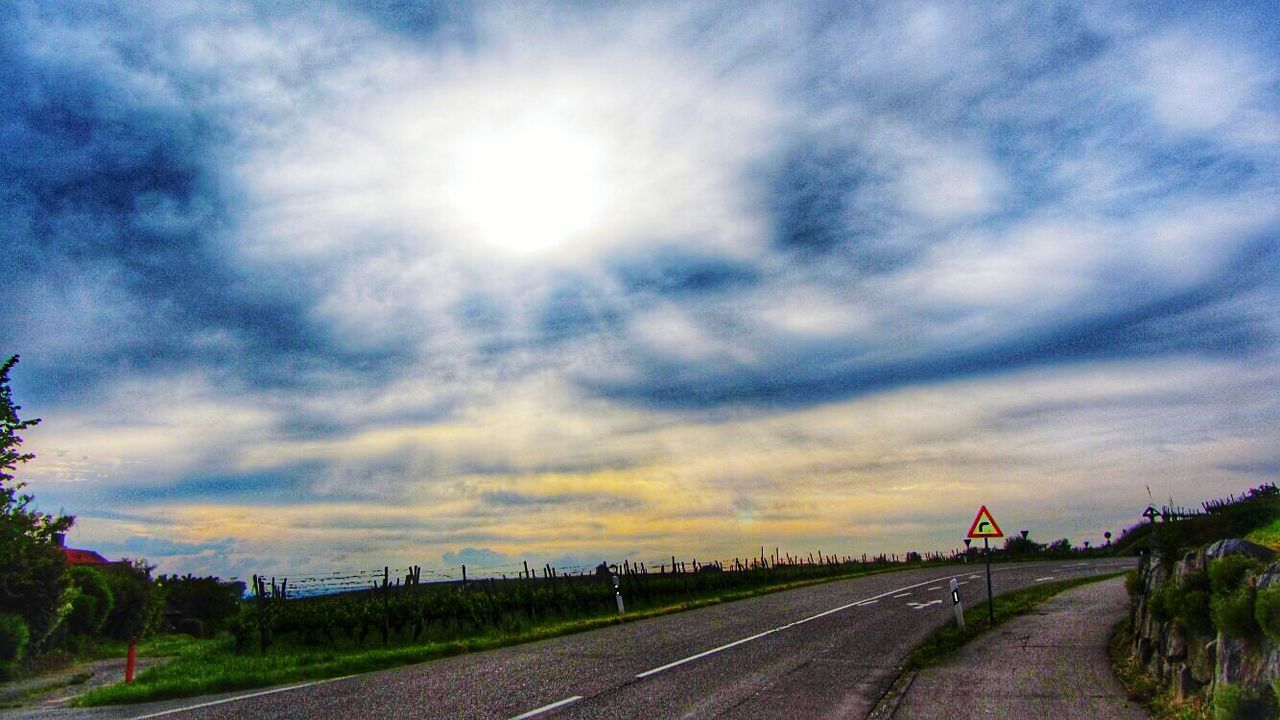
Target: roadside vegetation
(1204, 596)
(947, 640)
(1141, 687)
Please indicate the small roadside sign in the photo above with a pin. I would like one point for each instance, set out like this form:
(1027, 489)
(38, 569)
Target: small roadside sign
(984, 526)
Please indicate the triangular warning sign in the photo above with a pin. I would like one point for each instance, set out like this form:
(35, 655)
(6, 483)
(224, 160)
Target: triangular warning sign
(984, 526)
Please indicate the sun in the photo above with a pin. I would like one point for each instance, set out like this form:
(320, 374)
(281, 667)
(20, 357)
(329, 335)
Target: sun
(529, 185)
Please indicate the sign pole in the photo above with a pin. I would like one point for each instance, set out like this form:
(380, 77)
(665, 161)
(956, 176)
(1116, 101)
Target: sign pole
(991, 612)
(984, 526)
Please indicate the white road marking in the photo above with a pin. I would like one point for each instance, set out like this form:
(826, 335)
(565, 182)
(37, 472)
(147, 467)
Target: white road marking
(780, 628)
(936, 587)
(260, 693)
(547, 708)
(1042, 579)
(901, 595)
(868, 602)
(920, 606)
(963, 582)
(974, 577)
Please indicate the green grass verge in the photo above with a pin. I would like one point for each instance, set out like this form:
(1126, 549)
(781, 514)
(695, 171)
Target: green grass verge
(1268, 535)
(950, 638)
(1146, 690)
(201, 667)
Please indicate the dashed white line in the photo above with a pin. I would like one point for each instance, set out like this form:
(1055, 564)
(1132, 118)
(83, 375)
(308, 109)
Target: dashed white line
(867, 602)
(1042, 579)
(780, 628)
(547, 708)
(901, 595)
(260, 693)
(936, 587)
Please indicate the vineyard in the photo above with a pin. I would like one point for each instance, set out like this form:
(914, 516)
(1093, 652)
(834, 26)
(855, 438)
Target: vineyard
(404, 610)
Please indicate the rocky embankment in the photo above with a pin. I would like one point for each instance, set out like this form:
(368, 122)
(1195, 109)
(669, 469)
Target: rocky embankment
(1206, 624)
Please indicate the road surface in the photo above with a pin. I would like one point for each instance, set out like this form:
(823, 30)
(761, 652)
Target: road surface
(824, 651)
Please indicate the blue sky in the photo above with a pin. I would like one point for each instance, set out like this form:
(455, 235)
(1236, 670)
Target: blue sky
(314, 286)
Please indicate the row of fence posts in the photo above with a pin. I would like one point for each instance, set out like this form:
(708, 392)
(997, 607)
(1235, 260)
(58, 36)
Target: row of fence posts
(266, 593)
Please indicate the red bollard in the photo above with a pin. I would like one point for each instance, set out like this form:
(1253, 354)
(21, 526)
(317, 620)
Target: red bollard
(131, 660)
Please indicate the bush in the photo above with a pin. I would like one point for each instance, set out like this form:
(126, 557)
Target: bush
(1233, 702)
(1192, 605)
(1267, 612)
(1226, 573)
(208, 600)
(138, 603)
(1160, 603)
(191, 626)
(13, 641)
(1233, 614)
(1132, 584)
(91, 601)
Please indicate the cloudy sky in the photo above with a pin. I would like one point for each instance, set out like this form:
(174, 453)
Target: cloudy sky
(306, 287)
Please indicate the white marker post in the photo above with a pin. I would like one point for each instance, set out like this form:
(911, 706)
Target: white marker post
(617, 595)
(955, 603)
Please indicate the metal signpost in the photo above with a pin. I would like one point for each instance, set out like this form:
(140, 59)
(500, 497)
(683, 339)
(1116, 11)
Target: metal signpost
(984, 526)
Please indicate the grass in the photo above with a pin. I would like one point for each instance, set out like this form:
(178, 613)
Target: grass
(1268, 535)
(1146, 690)
(202, 667)
(951, 638)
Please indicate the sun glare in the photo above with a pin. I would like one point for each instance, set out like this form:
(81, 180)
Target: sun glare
(529, 186)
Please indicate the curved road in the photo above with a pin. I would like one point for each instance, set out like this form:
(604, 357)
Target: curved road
(825, 651)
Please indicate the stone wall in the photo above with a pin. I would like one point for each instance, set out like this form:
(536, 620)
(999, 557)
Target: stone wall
(1200, 659)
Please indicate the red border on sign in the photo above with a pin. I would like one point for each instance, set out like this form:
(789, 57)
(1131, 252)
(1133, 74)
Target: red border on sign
(973, 529)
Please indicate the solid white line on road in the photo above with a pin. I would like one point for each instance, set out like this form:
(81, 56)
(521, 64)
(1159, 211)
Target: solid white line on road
(547, 708)
(868, 602)
(938, 587)
(780, 628)
(1042, 579)
(260, 693)
(895, 597)
(963, 582)
(974, 577)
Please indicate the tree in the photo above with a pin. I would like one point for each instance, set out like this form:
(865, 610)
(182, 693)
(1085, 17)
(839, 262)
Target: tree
(33, 569)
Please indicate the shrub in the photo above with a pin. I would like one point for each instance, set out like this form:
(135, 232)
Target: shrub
(13, 641)
(1233, 613)
(1192, 604)
(1161, 600)
(1132, 584)
(1267, 612)
(1233, 702)
(191, 626)
(1226, 573)
(137, 602)
(209, 600)
(91, 601)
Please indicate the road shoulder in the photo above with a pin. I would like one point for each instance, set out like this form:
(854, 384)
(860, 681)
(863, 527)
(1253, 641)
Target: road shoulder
(1051, 663)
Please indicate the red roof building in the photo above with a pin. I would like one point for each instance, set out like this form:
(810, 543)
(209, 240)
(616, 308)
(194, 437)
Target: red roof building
(76, 556)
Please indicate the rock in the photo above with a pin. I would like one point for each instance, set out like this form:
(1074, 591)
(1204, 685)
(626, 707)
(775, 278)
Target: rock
(1175, 642)
(1191, 562)
(1144, 650)
(1202, 661)
(1270, 576)
(1184, 685)
(1238, 547)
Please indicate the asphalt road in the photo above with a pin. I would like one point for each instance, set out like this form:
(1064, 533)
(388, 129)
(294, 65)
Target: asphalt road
(825, 651)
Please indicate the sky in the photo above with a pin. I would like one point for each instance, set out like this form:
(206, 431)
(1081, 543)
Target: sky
(306, 287)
